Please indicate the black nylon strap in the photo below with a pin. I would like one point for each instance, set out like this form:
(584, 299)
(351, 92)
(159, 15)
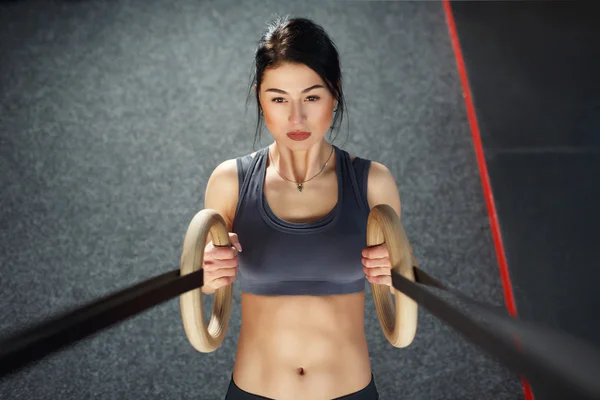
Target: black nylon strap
(32, 344)
(568, 365)
(427, 280)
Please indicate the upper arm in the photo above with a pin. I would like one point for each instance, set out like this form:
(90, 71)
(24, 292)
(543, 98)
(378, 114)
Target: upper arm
(382, 188)
(222, 191)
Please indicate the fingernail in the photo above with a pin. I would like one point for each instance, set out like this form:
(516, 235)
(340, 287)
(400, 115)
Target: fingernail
(238, 247)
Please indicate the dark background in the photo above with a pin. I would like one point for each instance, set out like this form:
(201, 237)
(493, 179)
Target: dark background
(533, 70)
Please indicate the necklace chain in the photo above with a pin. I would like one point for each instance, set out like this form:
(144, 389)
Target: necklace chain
(300, 185)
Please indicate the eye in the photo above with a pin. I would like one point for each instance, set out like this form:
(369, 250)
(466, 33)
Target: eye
(281, 99)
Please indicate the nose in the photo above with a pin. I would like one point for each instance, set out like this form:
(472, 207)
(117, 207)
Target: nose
(297, 113)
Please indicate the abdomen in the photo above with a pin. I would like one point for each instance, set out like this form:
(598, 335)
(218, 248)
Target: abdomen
(300, 346)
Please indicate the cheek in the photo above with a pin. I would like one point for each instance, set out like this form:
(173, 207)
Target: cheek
(326, 115)
(268, 119)
(323, 118)
(274, 116)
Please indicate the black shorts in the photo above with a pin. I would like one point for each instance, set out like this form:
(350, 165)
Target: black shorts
(368, 393)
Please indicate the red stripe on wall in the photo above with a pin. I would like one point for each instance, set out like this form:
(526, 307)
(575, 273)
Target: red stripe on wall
(485, 179)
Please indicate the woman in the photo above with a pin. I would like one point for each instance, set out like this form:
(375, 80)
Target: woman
(297, 212)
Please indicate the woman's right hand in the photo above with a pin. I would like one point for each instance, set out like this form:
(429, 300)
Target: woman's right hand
(220, 264)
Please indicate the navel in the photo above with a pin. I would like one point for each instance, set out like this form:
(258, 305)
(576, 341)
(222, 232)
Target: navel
(300, 371)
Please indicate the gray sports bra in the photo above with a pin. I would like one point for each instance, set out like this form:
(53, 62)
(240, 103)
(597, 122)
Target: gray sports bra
(322, 257)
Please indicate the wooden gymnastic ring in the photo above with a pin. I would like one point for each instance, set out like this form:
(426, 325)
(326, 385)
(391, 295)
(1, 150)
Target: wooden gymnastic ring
(202, 337)
(383, 226)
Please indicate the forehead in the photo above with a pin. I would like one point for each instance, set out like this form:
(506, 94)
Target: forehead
(290, 77)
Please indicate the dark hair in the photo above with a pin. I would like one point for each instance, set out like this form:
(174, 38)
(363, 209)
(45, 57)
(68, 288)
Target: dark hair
(300, 41)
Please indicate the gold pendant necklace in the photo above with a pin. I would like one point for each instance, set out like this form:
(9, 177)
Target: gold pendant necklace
(300, 185)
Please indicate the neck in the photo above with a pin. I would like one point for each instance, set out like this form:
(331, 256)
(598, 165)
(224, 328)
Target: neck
(301, 165)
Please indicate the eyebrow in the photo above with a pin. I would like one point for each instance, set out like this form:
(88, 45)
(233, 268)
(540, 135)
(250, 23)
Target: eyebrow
(304, 91)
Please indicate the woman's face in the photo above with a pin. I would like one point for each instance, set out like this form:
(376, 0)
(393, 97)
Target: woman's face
(297, 106)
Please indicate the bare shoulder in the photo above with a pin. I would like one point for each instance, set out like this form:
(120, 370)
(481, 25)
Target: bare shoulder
(382, 187)
(221, 192)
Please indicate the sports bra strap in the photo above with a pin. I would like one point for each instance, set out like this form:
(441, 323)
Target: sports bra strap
(243, 165)
(361, 170)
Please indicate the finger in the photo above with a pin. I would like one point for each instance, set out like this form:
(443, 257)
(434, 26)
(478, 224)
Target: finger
(378, 251)
(373, 272)
(210, 276)
(382, 280)
(376, 262)
(214, 271)
(213, 265)
(233, 238)
(221, 253)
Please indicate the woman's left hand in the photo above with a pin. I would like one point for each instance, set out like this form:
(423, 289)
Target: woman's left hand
(377, 265)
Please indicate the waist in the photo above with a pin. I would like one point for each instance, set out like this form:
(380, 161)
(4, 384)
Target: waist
(302, 343)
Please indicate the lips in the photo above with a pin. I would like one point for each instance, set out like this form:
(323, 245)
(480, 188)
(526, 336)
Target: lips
(298, 135)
